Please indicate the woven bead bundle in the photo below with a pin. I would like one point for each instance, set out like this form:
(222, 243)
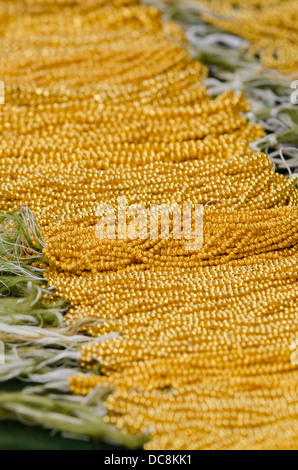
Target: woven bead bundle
(195, 345)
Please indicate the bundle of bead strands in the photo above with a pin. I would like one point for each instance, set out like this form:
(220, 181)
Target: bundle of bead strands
(271, 27)
(263, 236)
(192, 319)
(121, 94)
(202, 360)
(203, 356)
(233, 237)
(246, 182)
